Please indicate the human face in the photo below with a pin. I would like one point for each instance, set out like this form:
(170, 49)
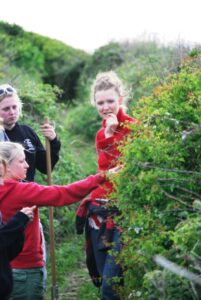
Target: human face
(17, 168)
(2, 173)
(9, 111)
(107, 102)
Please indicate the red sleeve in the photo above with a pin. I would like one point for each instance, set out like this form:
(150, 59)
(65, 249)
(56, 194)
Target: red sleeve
(34, 194)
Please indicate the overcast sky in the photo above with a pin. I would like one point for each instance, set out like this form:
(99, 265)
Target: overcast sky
(89, 24)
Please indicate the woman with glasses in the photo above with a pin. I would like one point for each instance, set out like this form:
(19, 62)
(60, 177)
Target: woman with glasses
(14, 194)
(10, 111)
(11, 240)
(108, 96)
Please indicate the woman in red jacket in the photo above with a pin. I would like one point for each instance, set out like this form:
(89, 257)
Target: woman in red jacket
(108, 96)
(11, 241)
(27, 266)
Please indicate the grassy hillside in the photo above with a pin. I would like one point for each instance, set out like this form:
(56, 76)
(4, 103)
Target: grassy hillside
(53, 79)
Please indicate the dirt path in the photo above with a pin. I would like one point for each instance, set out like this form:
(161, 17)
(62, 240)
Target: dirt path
(75, 281)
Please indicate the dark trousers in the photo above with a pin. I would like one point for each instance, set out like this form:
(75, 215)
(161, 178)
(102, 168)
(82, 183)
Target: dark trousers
(106, 265)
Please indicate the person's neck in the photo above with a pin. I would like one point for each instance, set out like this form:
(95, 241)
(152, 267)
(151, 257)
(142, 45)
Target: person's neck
(9, 127)
(8, 177)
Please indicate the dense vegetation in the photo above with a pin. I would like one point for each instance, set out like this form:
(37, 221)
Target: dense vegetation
(158, 190)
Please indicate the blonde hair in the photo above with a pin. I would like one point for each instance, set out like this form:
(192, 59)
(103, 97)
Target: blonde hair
(9, 150)
(13, 94)
(105, 81)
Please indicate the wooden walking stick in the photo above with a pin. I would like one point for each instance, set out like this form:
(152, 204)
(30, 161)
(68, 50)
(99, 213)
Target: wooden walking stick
(54, 288)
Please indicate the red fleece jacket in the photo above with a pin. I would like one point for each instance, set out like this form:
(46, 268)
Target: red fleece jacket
(107, 150)
(14, 195)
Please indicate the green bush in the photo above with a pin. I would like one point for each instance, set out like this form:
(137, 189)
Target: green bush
(165, 285)
(84, 120)
(160, 181)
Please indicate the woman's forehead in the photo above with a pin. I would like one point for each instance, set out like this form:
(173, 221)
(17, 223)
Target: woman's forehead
(106, 94)
(9, 101)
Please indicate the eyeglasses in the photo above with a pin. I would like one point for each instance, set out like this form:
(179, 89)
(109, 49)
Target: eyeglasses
(6, 91)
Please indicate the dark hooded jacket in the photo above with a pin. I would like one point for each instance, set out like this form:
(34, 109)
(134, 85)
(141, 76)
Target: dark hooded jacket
(11, 243)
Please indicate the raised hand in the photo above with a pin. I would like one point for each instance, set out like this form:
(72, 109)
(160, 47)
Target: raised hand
(111, 125)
